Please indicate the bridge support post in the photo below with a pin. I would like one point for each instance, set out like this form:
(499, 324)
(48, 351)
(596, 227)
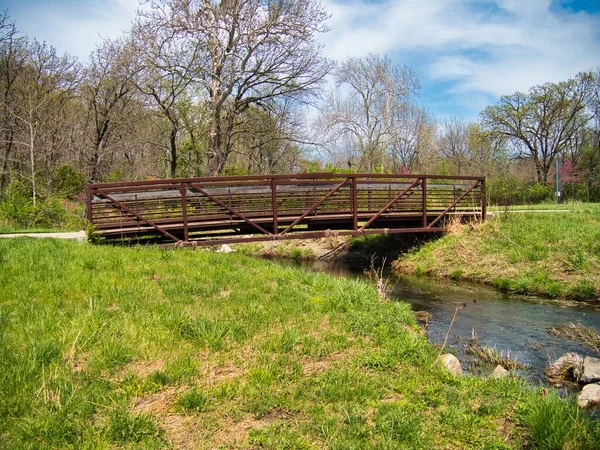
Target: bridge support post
(88, 193)
(274, 205)
(354, 204)
(424, 200)
(483, 201)
(183, 191)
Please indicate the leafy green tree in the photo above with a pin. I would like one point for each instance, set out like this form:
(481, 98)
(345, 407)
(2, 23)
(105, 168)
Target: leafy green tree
(542, 123)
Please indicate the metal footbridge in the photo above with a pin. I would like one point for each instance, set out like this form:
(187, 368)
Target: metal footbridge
(217, 210)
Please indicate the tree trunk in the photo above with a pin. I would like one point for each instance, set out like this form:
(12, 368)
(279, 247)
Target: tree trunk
(538, 170)
(95, 166)
(7, 152)
(32, 163)
(173, 143)
(215, 165)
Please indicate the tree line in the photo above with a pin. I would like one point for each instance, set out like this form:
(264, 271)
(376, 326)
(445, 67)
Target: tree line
(206, 87)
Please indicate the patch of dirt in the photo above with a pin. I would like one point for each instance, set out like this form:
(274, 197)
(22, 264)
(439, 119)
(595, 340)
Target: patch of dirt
(80, 362)
(157, 277)
(323, 328)
(184, 432)
(140, 368)
(392, 397)
(158, 403)
(231, 434)
(312, 249)
(321, 365)
(216, 374)
(506, 428)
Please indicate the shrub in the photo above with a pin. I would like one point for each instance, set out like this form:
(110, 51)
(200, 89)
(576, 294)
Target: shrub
(510, 190)
(68, 182)
(18, 209)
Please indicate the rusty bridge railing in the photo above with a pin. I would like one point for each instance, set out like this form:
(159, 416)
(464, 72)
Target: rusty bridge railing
(213, 210)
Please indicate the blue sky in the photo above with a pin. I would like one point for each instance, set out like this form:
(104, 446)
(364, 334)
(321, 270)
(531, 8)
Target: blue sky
(467, 53)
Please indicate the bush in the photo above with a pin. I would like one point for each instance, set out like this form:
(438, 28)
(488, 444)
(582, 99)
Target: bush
(68, 183)
(510, 190)
(21, 212)
(18, 210)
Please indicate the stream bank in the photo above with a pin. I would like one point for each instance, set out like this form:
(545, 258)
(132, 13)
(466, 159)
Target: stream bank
(555, 255)
(516, 326)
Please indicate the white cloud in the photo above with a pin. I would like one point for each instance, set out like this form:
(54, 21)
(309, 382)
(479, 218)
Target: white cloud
(482, 48)
(493, 47)
(74, 30)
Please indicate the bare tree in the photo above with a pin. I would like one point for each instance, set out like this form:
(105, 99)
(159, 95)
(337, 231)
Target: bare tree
(485, 152)
(454, 145)
(163, 68)
(13, 56)
(407, 146)
(247, 52)
(106, 94)
(541, 124)
(368, 106)
(46, 87)
(268, 141)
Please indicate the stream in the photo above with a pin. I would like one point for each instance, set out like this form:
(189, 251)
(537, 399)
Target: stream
(510, 323)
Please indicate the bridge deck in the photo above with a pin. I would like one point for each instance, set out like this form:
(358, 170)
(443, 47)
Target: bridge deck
(213, 210)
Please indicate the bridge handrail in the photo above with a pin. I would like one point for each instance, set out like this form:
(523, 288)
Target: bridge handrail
(364, 199)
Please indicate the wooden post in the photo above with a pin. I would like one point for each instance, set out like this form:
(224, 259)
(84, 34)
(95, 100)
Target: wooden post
(90, 214)
(184, 211)
(424, 200)
(274, 206)
(354, 204)
(483, 201)
(137, 210)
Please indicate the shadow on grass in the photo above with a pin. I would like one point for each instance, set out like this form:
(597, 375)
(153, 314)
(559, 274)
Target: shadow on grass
(365, 250)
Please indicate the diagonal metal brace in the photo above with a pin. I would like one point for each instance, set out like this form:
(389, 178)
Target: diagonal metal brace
(231, 210)
(315, 206)
(127, 210)
(456, 202)
(386, 207)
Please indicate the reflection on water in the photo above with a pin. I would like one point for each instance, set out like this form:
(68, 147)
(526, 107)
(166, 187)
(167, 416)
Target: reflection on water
(507, 322)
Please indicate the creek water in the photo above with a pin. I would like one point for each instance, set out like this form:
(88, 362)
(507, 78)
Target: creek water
(509, 323)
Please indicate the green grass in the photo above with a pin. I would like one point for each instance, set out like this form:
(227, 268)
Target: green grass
(569, 206)
(553, 254)
(7, 229)
(104, 347)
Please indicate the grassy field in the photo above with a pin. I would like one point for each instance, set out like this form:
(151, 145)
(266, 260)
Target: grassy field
(570, 206)
(106, 347)
(8, 229)
(555, 254)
